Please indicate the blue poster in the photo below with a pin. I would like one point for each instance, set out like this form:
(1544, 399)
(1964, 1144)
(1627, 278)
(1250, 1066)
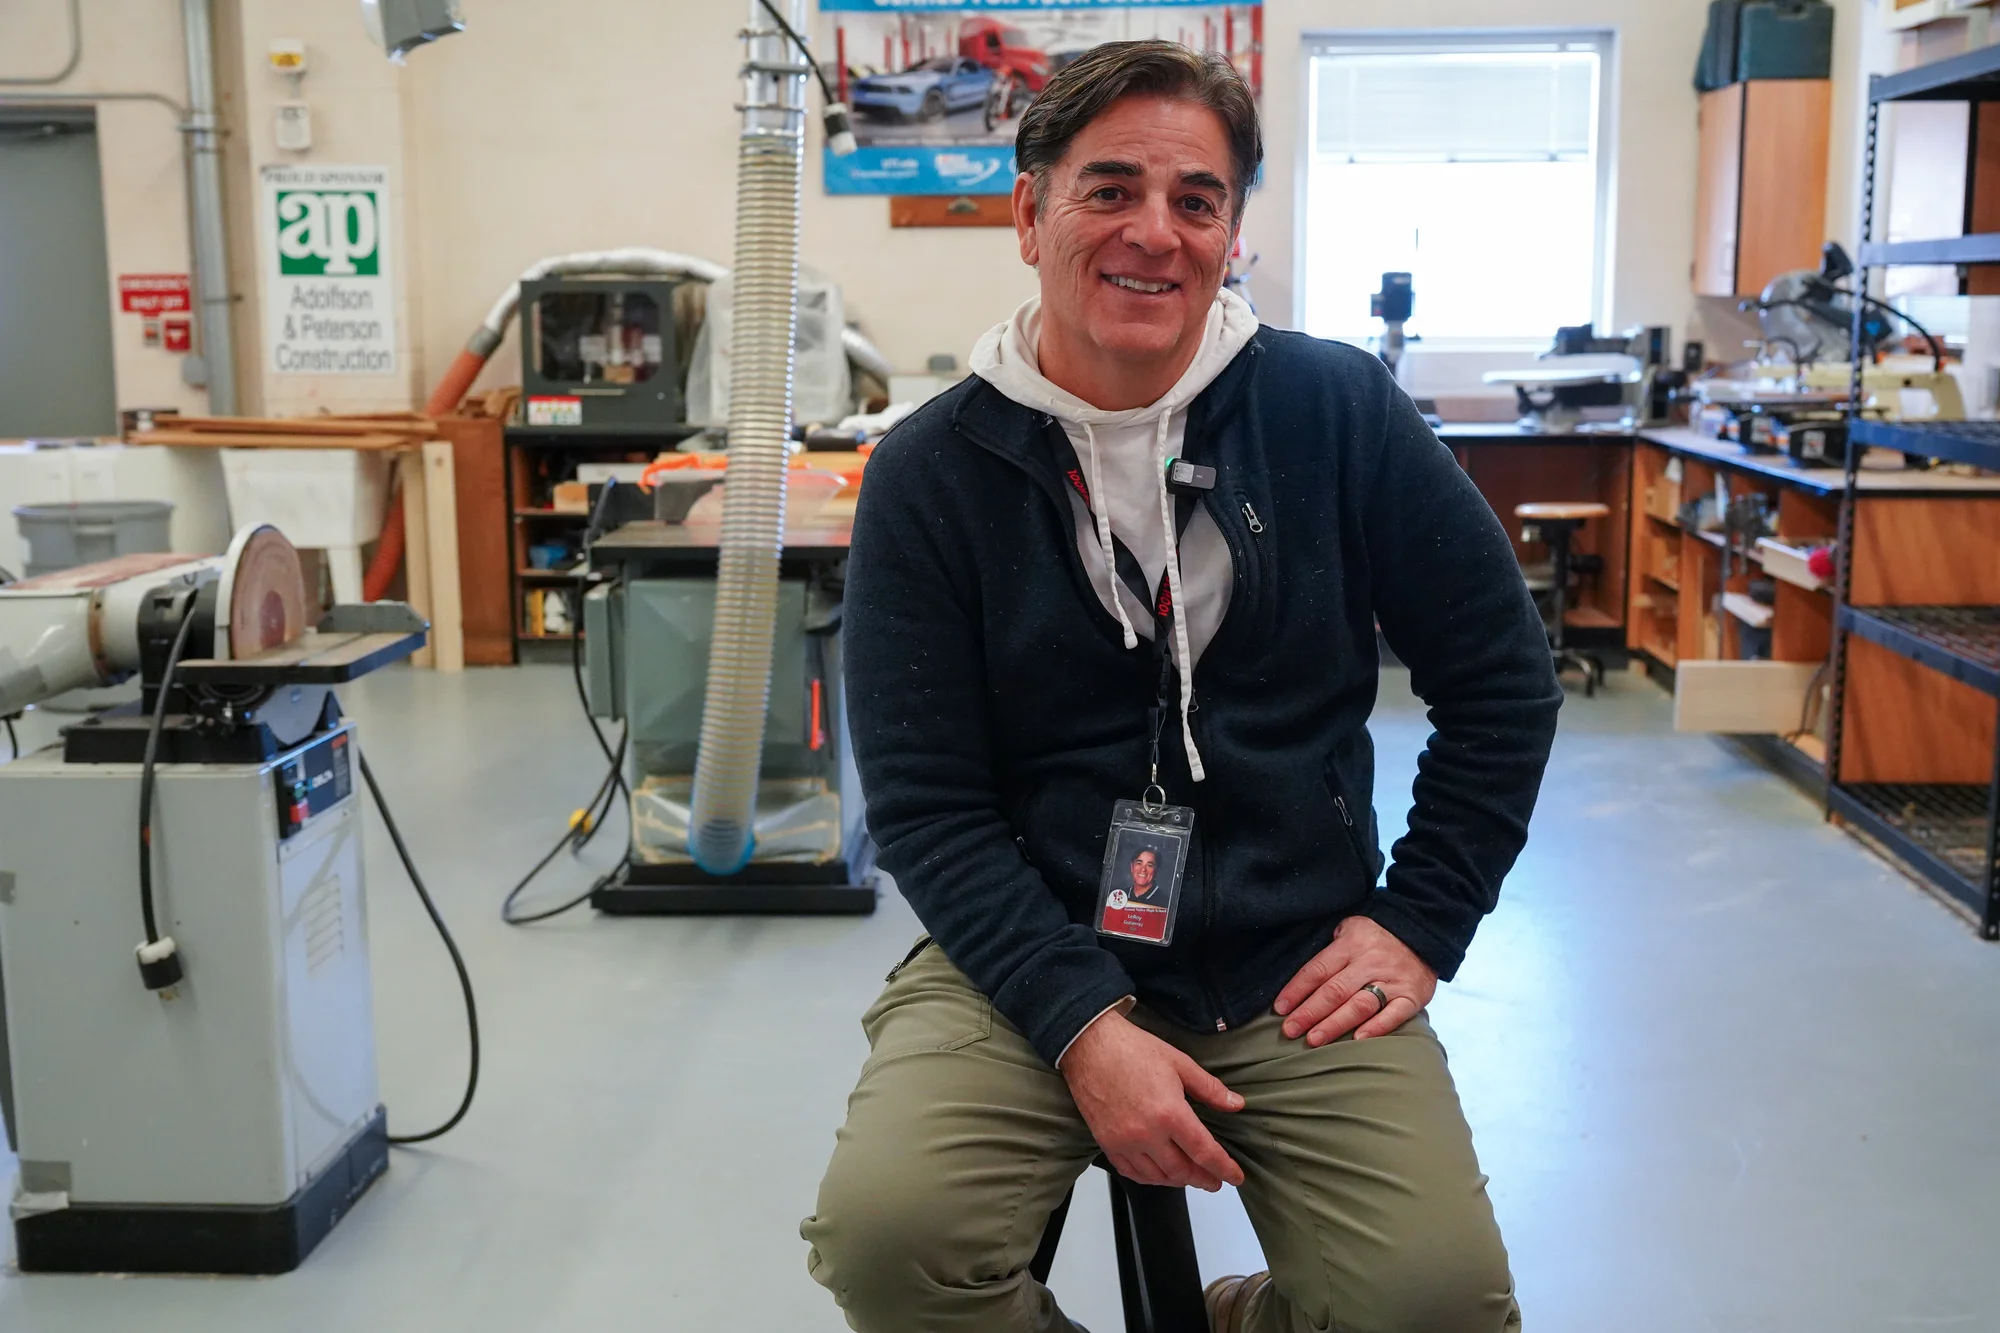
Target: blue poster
(937, 87)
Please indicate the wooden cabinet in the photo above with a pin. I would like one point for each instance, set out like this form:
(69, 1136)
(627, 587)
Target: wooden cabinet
(1761, 194)
(479, 472)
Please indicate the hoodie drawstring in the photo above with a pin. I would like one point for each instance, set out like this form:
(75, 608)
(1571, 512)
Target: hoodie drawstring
(1101, 509)
(1184, 656)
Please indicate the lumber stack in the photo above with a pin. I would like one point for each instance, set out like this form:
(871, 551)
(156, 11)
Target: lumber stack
(377, 431)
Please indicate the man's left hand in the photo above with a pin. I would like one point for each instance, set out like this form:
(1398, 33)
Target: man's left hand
(1329, 996)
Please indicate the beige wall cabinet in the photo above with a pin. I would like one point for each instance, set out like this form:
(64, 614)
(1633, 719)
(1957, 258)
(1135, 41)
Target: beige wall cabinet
(1761, 195)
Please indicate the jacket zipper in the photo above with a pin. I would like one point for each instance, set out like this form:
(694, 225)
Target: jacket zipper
(1208, 928)
(1241, 576)
(1353, 835)
(1239, 560)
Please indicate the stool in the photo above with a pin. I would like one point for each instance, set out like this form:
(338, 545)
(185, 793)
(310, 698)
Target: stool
(1158, 1276)
(1554, 524)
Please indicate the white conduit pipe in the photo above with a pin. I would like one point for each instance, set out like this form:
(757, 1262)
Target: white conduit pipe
(770, 156)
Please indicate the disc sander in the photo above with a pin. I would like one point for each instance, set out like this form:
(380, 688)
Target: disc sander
(265, 592)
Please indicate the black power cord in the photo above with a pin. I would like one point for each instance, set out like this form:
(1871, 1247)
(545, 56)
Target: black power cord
(792, 35)
(161, 967)
(598, 811)
(577, 837)
(1867, 301)
(13, 741)
(839, 128)
(159, 961)
(451, 947)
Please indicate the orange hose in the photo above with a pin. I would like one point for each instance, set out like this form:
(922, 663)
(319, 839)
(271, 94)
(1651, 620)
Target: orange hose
(464, 369)
(457, 379)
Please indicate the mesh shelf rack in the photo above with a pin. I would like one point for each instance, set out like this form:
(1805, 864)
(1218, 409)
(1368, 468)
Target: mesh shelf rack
(1974, 442)
(1943, 831)
(1961, 641)
(1948, 833)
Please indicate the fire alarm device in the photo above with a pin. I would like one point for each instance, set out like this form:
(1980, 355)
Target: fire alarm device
(149, 333)
(293, 127)
(288, 56)
(179, 335)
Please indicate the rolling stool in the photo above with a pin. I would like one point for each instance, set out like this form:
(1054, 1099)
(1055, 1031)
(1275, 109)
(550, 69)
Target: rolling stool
(1555, 523)
(1157, 1273)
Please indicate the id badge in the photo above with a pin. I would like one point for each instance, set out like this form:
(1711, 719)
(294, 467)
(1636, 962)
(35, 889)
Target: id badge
(1145, 859)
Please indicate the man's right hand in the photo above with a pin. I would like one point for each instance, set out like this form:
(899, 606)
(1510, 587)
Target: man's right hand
(1133, 1091)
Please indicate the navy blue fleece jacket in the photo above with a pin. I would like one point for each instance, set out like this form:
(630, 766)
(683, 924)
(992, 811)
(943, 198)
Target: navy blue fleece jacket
(997, 715)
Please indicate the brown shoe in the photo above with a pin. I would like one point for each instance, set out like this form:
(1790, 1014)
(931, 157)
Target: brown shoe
(1227, 1300)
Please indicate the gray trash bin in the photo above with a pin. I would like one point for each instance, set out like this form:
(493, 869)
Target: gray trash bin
(64, 536)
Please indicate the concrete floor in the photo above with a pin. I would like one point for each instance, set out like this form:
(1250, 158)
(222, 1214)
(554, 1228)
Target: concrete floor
(1727, 1070)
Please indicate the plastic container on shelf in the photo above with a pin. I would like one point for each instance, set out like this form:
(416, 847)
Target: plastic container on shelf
(63, 536)
(316, 497)
(325, 499)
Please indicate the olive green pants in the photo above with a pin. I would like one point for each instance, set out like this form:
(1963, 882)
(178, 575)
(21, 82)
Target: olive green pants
(1359, 1174)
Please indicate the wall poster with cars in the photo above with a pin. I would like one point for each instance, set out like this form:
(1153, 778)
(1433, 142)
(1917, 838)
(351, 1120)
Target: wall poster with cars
(937, 87)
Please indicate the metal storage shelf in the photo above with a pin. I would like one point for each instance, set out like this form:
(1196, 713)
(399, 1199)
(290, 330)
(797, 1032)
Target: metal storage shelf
(1974, 442)
(1961, 641)
(1940, 830)
(1946, 832)
(1978, 248)
(1973, 77)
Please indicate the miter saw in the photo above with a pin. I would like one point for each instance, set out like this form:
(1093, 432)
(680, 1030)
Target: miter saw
(217, 1110)
(1810, 316)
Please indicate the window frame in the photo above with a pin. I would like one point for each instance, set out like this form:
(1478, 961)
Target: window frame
(1441, 41)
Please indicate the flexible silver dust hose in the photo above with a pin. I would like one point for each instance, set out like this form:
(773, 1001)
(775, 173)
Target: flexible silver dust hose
(768, 167)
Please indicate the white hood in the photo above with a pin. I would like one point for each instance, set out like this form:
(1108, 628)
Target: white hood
(1006, 357)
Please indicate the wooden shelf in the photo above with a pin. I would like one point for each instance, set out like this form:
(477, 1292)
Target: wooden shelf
(565, 575)
(1671, 585)
(1589, 617)
(573, 515)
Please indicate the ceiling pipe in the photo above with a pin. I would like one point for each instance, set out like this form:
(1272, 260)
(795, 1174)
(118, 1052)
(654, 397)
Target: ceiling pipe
(217, 367)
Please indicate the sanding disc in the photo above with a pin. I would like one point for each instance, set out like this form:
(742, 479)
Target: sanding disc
(264, 591)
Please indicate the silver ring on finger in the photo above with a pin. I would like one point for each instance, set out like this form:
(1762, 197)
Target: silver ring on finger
(1381, 996)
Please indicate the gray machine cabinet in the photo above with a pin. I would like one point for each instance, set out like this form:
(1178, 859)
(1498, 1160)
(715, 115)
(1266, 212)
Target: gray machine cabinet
(260, 1070)
(661, 659)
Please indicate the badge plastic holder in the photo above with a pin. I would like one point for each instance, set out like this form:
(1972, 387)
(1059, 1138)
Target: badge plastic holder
(1138, 899)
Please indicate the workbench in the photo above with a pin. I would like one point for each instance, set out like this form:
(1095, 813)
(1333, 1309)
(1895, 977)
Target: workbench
(1916, 709)
(1619, 469)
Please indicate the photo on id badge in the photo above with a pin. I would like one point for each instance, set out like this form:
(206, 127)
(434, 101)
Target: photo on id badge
(1142, 879)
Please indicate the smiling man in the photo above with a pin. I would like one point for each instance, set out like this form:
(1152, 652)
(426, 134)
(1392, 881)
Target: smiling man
(1125, 581)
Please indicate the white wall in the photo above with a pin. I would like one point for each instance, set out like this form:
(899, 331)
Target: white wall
(528, 135)
(128, 46)
(358, 102)
(537, 137)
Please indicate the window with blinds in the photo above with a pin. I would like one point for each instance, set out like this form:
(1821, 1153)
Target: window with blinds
(1476, 165)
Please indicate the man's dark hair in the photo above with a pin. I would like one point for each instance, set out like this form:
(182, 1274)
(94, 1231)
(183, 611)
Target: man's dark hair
(1103, 74)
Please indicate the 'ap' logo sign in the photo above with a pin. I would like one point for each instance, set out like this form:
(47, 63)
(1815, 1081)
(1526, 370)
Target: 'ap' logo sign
(329, 233)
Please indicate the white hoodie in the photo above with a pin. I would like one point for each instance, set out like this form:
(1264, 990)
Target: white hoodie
(1124, 458)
